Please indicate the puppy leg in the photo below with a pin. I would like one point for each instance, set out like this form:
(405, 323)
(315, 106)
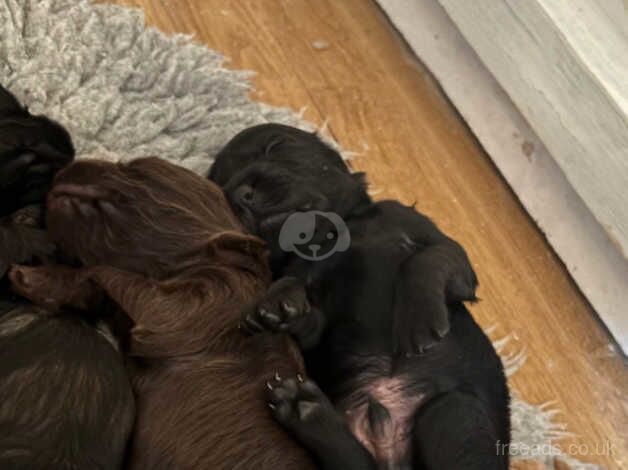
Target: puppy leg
(150, 305)
(454, 432)
(302, 408)
(427, 281)
(286, 308)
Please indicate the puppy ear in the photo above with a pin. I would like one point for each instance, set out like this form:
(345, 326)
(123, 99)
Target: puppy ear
(239, 249)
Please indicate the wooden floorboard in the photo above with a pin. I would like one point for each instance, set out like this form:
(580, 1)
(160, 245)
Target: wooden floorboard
(381, 103)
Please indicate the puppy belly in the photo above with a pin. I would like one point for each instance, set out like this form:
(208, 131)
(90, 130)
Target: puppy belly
(380, 416)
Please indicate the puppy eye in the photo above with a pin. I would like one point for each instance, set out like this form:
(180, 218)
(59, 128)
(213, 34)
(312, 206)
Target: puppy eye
(302, 235)
(330, 235)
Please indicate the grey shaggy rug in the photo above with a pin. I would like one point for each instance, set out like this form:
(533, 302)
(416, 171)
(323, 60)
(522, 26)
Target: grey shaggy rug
(124, 89)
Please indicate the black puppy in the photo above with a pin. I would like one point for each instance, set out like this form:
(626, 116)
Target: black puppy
(364, 286)
(66, 402)
(32, 149)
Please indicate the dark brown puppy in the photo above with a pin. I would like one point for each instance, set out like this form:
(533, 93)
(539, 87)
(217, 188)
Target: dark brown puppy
(163, 244)
(65, 399)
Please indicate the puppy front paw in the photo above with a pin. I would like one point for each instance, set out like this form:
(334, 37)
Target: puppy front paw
(285, 308)
(54, 286)
(31, 282)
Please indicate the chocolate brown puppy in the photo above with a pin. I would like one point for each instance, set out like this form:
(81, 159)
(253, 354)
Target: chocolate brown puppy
(164, 246)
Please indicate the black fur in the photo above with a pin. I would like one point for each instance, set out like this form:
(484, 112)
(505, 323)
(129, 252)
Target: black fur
(385, 331)
(32, 149)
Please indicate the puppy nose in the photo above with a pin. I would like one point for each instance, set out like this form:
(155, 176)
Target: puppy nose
(314, 247)
(244, 195)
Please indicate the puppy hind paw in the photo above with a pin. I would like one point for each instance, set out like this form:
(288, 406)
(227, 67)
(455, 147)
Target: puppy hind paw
(50, 286)
(295, 402)
(462, 288)
(21, 277)
(420, 327)
(28, 281)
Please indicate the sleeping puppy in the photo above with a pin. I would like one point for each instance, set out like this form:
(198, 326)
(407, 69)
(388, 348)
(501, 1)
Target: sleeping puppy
(373, 292)
(65, 398)
(271, 171)
(164, 246)
(32, 149)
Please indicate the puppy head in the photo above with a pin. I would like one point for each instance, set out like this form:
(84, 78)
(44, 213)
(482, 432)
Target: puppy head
(270, 171)
(32, 149)
(147, 216)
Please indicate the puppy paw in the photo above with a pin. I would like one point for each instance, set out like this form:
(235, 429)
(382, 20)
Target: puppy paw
(461, 287)
(282, 309)
(54, 286)
(300, 406)
(30, 282)
(30, 216)
(419, 327)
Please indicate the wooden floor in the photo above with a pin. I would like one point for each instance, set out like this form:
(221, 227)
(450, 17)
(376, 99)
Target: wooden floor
(342, 60)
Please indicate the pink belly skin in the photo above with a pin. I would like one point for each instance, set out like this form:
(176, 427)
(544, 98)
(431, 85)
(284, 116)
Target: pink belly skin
(390, 444)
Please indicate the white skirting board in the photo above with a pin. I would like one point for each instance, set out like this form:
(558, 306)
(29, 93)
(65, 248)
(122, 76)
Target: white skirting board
(594, 261)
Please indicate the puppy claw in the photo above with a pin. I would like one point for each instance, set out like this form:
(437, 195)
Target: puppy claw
(251, 325)
(300, 378)
(270, 317)
(289, 308)
(442, 331)
(271, 406)
(269, 386)
(277, 377)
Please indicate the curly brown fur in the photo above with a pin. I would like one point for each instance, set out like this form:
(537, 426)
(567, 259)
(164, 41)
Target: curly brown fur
(163, 245)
